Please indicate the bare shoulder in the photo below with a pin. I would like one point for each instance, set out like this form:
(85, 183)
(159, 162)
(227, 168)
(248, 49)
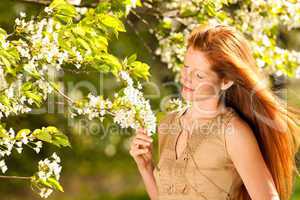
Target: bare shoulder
(244, 152)
(238, 125)
(239, 135)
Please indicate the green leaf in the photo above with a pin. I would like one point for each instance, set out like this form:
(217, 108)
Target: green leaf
(131, 59)
(63, 11)
(4, 100)
(4, 61)
(3, 32)
(79, 30)
(112, 61)
(140, 70)
(36, 97)
(20, 132)
(84, 44)
(112, 22)
(52, 135)
(55, 184)
(58, 138)
(99, 43)
(42, 135)
(101, 67)
(26, 86)
(103, 7)
(3, 132)
(44, 182)
(61, 140)
(33, 72)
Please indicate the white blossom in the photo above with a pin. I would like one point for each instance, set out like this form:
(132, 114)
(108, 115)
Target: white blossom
(48, 10)
(45, 192)
(3, 166)
(22, 14)
(298, 72)
(49, 167)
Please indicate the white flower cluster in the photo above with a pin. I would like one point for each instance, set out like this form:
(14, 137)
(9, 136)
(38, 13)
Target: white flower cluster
(11, 141)
(49, 167)
(18, 102)
(81, 10)
(40, 53)
(45, 192)
(279, 11)
(96, 107)
(177, 104)
(282, 57)
(129, 106)
(138, 107)
(3, 166)
(43, 36)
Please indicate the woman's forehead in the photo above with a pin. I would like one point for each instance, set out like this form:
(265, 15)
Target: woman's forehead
(196, 59)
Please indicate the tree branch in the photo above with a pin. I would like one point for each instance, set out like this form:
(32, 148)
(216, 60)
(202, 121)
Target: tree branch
(16, 177)
(48, 2)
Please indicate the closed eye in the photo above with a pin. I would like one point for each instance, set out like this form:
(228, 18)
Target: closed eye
(199, 76)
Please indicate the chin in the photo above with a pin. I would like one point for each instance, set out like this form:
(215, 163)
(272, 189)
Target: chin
(187, 96)
(190, 97)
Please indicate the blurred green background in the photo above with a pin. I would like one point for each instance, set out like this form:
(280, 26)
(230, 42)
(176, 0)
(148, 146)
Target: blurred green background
(99, 166)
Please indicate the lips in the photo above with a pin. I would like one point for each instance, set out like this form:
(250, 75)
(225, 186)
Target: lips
(187, 88)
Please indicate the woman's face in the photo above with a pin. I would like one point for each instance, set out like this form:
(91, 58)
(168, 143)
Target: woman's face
(198, 81)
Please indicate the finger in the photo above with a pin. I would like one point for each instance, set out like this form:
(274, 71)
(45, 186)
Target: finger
(138, 147)
(144, 137)
(138, 152)
(135, 146)
(139, 141)
(140, 130)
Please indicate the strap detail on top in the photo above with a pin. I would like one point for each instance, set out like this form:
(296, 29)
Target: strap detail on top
(162, 130)
(227, 116)
(225, 130)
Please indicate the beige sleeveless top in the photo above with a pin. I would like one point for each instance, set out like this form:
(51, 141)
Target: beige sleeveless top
(204, 169)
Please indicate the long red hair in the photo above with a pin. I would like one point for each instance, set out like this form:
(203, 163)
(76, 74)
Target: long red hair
(274, 123)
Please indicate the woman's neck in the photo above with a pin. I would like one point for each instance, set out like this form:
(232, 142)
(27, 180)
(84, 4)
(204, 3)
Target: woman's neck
(205, 109)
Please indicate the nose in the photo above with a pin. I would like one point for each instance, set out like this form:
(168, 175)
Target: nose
(186, 75)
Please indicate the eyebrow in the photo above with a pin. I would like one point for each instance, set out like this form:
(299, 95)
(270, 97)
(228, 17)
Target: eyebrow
(199, 70)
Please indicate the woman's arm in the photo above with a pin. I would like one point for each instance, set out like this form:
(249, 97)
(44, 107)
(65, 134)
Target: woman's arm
(149, 182)
(244, 151)
(141, 150)
(144, 158)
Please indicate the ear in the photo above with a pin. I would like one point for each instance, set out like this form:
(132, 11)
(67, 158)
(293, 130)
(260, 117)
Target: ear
(226, 83)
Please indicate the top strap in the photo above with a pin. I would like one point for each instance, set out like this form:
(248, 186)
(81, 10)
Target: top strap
(225, 129)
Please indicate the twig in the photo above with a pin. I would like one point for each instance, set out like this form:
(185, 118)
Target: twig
(141, 38)
(60, 92)
(47, 2)
(140, 18)
(16, 177)
(35, 1)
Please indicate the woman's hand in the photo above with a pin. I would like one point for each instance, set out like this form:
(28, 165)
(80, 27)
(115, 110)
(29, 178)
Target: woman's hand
(141, 149)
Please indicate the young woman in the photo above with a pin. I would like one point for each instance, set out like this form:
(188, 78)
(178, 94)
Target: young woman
(236, 141)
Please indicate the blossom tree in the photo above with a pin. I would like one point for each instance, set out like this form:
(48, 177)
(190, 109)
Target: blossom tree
(64, 37)
(72, 35)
